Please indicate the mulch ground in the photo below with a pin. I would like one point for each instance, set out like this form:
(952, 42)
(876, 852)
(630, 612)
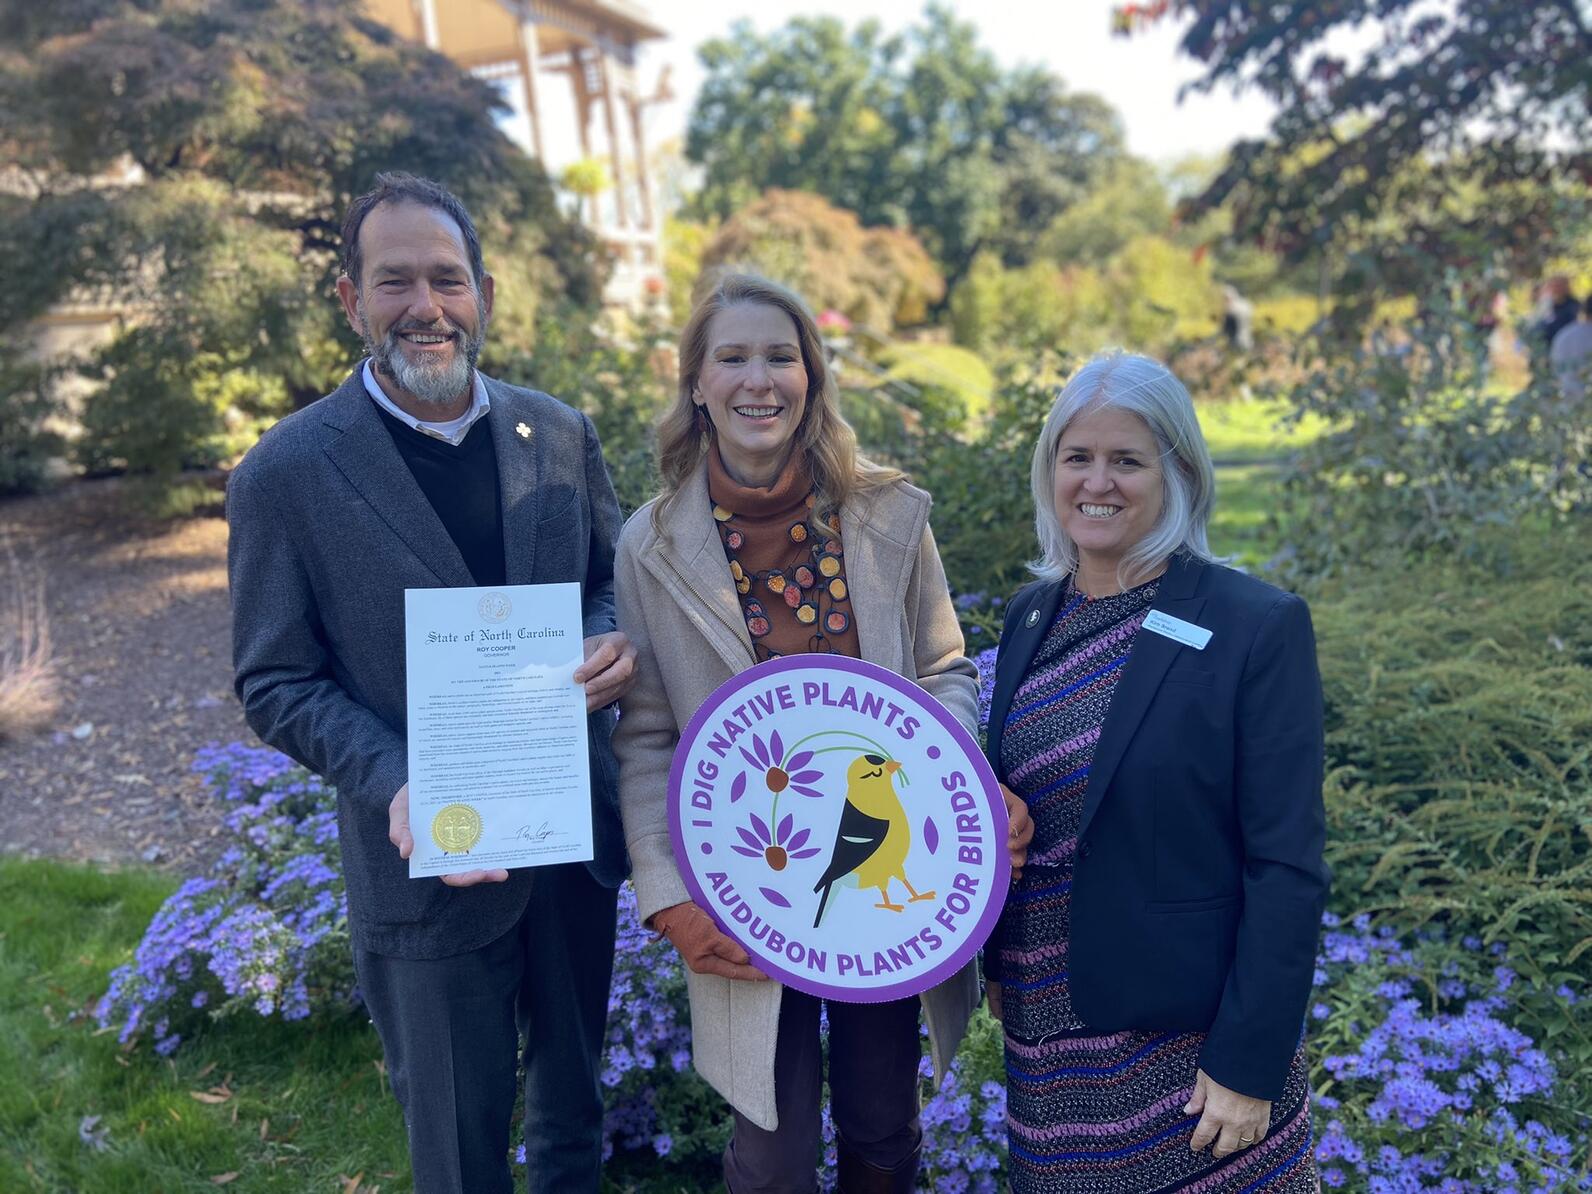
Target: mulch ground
(139, 626)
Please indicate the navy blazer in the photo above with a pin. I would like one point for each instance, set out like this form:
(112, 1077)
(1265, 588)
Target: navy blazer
(328, 528)
(1199, 882)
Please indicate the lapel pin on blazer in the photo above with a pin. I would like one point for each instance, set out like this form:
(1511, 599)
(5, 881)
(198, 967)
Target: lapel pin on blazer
(1033, 618)
(523, 430)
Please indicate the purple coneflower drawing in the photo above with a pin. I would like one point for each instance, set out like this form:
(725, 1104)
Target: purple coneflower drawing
(779, 772)
(776, 848)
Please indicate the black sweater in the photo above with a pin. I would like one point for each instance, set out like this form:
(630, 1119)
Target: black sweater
(461, 483)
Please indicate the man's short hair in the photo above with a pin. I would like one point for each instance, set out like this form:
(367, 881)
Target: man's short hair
(398, 187)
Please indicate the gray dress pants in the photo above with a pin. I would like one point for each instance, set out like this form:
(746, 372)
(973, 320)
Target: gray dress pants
(452, 1030)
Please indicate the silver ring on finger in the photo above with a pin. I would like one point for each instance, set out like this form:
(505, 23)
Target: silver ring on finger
(1246, 1141)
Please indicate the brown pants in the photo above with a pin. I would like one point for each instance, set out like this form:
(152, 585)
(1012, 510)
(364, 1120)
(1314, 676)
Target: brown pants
(873, 1088)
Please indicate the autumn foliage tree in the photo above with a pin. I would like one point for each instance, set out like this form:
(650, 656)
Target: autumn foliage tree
(880, 277)
(1408, 134)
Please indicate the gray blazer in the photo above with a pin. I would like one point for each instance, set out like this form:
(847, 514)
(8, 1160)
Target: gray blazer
(328, 528)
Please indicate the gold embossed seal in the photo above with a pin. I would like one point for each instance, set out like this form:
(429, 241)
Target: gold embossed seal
(456, 828)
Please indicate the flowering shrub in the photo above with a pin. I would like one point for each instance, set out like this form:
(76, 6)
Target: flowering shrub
(664, 1125)
(1424, 1080)
(985, 662)
(1436, 1066)
(266, 931)
(964, 1122)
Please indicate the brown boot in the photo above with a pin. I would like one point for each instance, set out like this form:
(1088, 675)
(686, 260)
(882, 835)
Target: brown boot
(857, 1176)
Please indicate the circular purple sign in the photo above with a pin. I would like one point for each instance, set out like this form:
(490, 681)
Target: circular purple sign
(839, 823)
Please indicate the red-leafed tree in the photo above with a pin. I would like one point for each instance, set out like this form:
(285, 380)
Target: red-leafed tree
(1415, 132)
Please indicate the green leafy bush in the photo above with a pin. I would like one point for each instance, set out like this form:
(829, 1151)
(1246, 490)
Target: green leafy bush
(957, 385)
(621, 379)
(1459, 723)
(26, 442)
(1423, 456)
(983, 514)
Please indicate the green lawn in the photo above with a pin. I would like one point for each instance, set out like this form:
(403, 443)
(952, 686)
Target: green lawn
(249, 1107)
(1245, 431)
(1245, 498)
(1248, 445)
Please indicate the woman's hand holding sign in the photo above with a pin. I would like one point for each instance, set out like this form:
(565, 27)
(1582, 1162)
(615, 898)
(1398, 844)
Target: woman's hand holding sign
(1019, 830)
(704, 947)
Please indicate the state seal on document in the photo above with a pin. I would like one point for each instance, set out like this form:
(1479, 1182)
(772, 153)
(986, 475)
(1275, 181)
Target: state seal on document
(841, 825)
(456, 828)
(494, 607)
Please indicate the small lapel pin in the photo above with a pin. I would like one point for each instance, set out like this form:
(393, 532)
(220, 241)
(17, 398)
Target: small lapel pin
(523, 430)
(1033, 618)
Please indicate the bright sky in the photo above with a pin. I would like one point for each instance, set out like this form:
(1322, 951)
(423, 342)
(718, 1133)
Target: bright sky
(1140, 75)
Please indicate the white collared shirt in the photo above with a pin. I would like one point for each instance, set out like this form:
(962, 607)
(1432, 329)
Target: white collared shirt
(454, 430)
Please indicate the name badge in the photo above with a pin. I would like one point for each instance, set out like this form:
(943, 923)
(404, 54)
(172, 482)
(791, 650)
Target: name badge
(1177, 630)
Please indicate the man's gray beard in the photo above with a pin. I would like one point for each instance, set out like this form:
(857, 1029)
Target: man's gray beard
(435, 385)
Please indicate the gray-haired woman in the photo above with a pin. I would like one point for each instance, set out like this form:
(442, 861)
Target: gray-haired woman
(1161, 715)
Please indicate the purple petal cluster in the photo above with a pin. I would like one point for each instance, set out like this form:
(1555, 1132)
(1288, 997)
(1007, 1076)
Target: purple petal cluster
(984, 661)
(964, 1135)
(649, 1036)
(1423, 1082)
(265, 932)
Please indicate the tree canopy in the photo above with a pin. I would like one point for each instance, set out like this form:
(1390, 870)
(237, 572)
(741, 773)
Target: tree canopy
(190, 164)
(921, 130)
(1479, 107)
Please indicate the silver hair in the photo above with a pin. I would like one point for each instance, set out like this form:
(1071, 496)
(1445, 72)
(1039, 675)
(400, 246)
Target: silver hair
(1116, 380)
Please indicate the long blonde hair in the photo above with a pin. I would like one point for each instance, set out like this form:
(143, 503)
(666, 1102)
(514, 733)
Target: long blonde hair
(685, 432)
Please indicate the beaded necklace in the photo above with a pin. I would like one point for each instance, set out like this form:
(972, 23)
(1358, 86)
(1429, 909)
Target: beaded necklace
(809, 585)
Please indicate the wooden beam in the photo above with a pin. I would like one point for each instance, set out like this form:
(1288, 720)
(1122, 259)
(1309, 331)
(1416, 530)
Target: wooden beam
(426, 10)
(621, 207)
(577, 80)
(529, 49)
(643, 178)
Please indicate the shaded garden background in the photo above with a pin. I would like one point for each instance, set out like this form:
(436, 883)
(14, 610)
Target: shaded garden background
(1391, 444)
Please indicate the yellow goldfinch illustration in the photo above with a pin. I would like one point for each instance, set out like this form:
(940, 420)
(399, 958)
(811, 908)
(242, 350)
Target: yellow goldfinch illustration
(873, 840)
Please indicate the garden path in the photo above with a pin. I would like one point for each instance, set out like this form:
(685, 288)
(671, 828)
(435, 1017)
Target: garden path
(139, 624)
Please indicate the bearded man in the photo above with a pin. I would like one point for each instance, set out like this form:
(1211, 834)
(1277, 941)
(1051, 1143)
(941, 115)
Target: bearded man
(419, 472)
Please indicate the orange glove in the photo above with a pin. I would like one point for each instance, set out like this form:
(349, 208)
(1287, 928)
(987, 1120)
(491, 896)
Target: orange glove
(704, 947)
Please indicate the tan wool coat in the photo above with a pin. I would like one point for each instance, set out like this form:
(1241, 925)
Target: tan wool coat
(678, 604)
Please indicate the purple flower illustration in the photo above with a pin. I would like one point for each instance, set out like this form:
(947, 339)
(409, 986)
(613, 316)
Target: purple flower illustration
(776, 848)
(779, 772)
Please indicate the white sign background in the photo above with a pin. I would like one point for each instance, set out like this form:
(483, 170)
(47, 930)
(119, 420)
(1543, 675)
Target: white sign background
(821, 781)
(497, 728)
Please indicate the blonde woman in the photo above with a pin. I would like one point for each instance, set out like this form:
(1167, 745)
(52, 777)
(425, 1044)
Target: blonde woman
(762, 483)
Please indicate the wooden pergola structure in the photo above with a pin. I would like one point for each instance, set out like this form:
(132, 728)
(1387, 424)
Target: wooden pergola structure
(590, 46)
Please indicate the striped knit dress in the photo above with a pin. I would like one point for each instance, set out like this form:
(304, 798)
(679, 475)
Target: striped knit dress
(1090, 1112)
